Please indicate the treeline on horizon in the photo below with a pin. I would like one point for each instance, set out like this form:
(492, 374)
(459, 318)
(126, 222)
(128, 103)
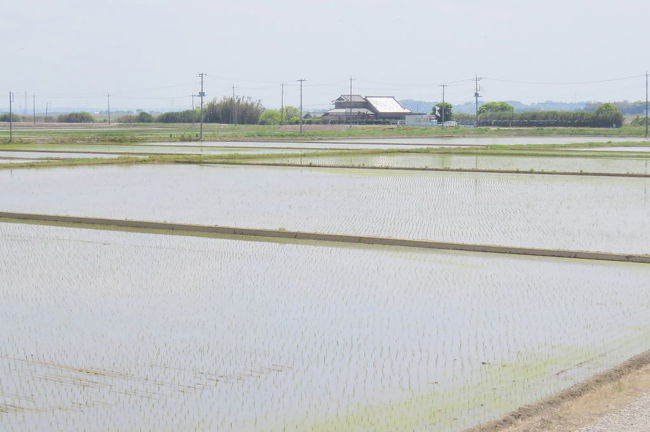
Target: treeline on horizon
(502, 114)
(626, 107)
(544, 118)
(243, 110)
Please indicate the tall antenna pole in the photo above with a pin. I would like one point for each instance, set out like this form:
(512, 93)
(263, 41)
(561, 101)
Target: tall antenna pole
(11, 117)
(476, 96)
(282, 105)
(108, 103)
(646, 104)
(443, 103)
(34, 108)
(201, 95)
(301, 81)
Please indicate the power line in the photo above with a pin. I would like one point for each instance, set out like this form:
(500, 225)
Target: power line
(564, 82)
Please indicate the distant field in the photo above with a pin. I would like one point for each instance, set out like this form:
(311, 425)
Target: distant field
(148, 132)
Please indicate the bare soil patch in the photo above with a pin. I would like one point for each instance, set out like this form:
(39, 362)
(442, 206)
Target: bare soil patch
(581, 405)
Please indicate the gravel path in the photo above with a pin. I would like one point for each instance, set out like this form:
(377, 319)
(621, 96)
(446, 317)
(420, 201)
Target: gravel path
(635, 417)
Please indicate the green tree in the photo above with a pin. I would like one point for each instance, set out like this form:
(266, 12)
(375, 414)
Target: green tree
(270, 117)
(187, 116)
(144, 117)
(493, 107)
(443, 108)
(242, 110)
(291, 115)
(610, 115)
(76, 117)
(14, 117)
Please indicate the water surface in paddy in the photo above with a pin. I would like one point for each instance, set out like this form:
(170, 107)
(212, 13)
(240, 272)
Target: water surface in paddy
(324, 145)
(559, 212)
(16, 161)
(479, 162)
(157, 149)
(617, 149)
(497, 140)
(56, 155)
(124, 331)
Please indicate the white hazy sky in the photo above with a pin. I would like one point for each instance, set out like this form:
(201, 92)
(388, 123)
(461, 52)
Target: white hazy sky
(147, 53)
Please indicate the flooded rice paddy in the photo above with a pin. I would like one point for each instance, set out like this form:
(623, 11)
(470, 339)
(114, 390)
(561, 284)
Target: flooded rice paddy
(480, 162)
(618, 149)
(151, 149)
(482, 141)
(138, 331)
(299, 145)
(16, 160)
(55, 155)
(131, 331)
(603, 214)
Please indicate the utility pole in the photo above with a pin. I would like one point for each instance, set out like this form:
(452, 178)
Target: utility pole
(282, 105)
(476, 96)
(46, 107)
(108, 102)
(646, 104)
(443, 103)
(350, 106)
(234, 106)
(193, 96)
(34, 108)
(11, 117)
(201, 95)
(301, 81)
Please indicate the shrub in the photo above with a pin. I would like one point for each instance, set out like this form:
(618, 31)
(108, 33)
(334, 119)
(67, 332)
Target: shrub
(144, 117)
(187, 116)
(14, 117)
(76, 117)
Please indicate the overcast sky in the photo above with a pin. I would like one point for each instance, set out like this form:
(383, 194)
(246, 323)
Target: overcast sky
(147, 53)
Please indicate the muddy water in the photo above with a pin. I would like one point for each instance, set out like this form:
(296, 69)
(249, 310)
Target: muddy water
(121, 331)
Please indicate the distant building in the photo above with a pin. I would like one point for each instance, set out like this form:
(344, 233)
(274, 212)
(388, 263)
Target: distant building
(369, 109)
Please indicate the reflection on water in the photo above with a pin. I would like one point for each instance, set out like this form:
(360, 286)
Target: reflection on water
(123, 331)
(558, 212)
(499, 140)
(499, 163)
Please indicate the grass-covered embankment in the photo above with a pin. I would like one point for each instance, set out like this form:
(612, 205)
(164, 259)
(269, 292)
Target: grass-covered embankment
(140, 133)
